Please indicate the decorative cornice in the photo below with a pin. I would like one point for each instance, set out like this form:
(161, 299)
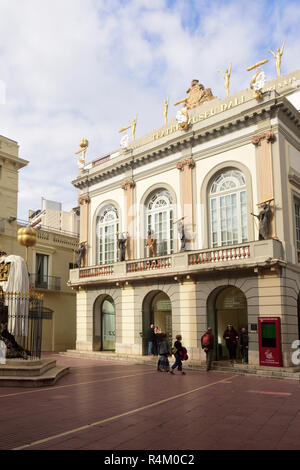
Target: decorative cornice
(294, 178)
(188, 162)
(128, 184)
(84, 200)
(269, 136)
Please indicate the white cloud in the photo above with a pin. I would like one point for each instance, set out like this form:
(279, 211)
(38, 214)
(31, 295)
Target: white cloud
(84, 68)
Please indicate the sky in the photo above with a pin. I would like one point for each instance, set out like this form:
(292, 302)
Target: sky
(84, 68)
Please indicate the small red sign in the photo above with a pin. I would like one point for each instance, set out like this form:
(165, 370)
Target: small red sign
(269, 333)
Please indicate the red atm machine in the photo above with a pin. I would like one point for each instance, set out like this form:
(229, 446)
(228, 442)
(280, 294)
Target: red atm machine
(269, 335)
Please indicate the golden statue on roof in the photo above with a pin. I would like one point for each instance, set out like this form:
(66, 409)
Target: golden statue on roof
(277, 55)
(132, 126)
(197, 95)
(226, 77)
(166, 107)
(83, 148)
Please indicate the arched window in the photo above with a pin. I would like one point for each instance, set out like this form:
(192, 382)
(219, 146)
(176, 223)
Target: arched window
(107, 226)
(228, 209)
(159, 220)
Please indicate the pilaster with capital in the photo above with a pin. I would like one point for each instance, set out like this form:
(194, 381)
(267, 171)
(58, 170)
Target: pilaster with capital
(263, 143)
(186, 190)
(84, 202)
(128, 187)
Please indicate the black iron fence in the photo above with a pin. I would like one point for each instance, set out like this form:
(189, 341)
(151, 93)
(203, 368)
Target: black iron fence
(41, 281)
(21, 325)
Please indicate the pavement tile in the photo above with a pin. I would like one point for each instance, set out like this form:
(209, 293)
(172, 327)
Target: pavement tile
(221, 416)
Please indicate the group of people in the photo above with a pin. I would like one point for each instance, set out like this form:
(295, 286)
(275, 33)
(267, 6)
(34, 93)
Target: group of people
(158, 345)
(232, 340)
(154, 337)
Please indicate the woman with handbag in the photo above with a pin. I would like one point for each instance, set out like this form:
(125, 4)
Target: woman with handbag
(163, 352)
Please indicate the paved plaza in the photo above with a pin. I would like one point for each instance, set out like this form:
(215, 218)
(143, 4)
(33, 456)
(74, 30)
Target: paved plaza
(123, 406)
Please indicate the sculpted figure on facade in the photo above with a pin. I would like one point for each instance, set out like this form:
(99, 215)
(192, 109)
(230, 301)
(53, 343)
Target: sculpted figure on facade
(166, 107)
(277, 55)
(226, 77)
(151, 244)
(180, 228)
(197, 95)
(122, 239)
(80, 252)
(264, 218)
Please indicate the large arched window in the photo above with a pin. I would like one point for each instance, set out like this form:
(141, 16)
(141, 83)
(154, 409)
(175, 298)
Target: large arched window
(159, 220)
(228, 209)
(107, 226)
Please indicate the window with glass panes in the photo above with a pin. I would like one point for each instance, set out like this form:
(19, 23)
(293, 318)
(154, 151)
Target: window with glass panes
(107, 227)
(297, 223)
(228, 209)
(159, 220)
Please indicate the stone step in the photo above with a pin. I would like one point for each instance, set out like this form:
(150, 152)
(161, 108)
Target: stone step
(48, 378)
(18, 368)
(222, 366)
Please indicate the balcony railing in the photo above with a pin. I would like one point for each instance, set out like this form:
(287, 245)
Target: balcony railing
(40, 281)
(95, 271)
(185, 262)
(149, 264)
(220, 254)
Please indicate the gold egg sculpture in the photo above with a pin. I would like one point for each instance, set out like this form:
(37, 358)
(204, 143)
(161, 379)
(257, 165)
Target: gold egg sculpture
(27, 236)
(84, 143)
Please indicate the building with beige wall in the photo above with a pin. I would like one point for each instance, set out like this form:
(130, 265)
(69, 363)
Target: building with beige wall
(235, 154)
(49, 260)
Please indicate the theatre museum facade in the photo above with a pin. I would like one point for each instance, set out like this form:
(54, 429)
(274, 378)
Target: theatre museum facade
(169, 234)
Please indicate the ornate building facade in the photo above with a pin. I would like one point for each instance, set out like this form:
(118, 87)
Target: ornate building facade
(194, 192)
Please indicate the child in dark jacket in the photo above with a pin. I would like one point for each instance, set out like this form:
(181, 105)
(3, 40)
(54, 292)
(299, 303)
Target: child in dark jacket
(178, 361)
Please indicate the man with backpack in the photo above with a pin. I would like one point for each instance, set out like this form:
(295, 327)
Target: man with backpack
(207, 344)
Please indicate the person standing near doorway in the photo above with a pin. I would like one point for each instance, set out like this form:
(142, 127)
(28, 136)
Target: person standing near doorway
(231, 337)
(244, 341)
(207, 344)
(151, 339)
(158, 338)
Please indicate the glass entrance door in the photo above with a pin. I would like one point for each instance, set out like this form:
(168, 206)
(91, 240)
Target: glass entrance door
(108, 326)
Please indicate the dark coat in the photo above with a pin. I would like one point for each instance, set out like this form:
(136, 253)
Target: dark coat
(232, 337)
(150, 335)
(244, 339)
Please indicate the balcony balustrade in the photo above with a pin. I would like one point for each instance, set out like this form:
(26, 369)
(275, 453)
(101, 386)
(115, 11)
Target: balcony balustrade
(184, 262)
(40, 281)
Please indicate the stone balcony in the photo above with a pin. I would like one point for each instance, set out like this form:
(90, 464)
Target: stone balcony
(243, 256)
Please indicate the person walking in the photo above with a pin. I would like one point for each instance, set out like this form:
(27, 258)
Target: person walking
(163, 364)
(178, 354)
(231, 337)
(244, 342)
(150, 339)
(207, 344)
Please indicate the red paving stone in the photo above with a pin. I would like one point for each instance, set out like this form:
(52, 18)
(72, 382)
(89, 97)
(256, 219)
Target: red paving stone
(240, 412)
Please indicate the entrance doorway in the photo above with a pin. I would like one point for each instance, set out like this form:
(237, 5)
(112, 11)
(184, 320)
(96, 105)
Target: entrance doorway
(157, 309)
(104, 338)
(229, 307)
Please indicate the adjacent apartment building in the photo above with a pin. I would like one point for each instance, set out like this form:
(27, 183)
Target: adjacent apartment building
(52, 256)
